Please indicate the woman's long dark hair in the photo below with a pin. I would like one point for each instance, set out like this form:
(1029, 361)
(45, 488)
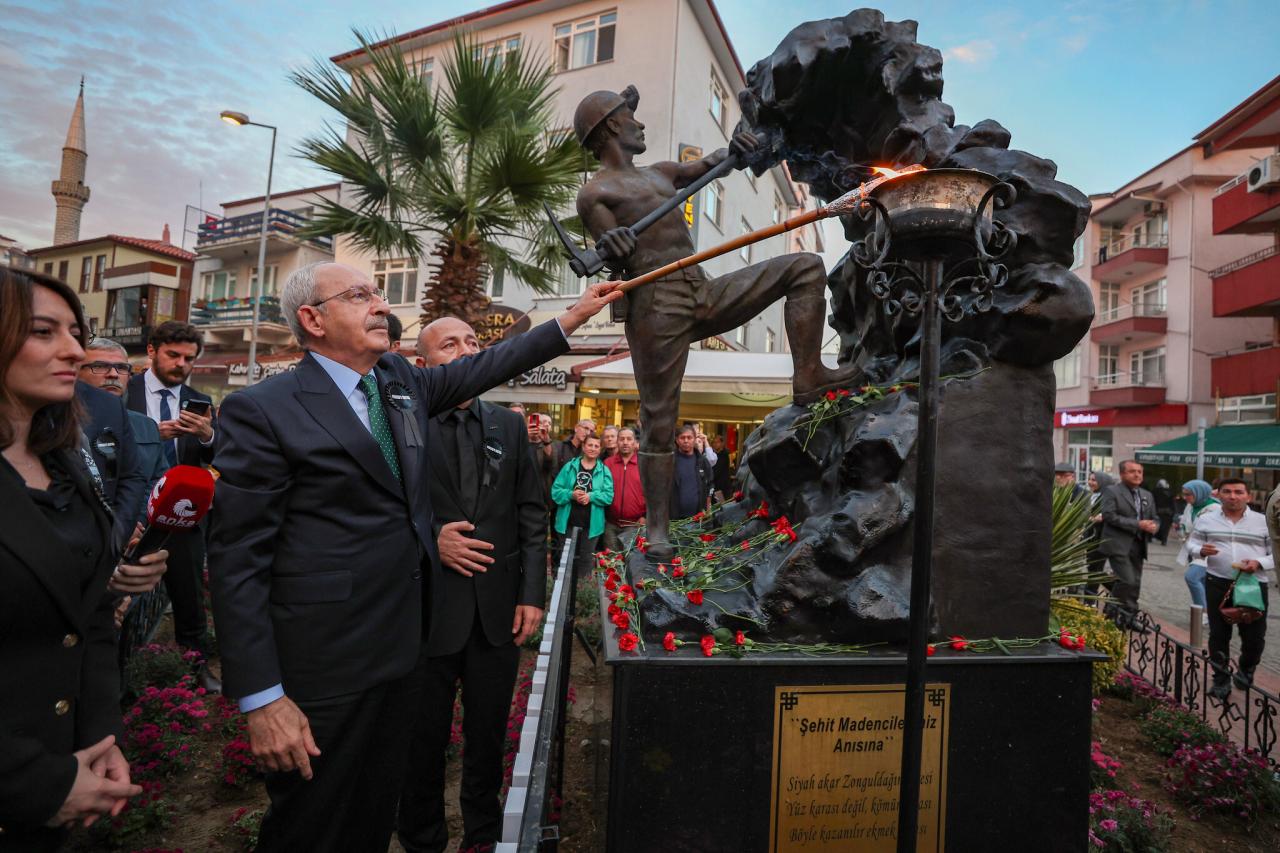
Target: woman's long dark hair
(57, 425)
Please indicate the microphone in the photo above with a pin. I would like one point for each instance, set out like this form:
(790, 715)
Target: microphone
(179, 499)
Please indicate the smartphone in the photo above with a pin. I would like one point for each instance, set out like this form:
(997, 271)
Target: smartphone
(196, 407)
(534, 422)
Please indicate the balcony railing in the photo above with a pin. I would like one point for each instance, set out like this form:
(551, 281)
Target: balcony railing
(1126, 379)
(282, 222)
(1131, 241)
(1123, 312)
(1247, 260)
(235, 312)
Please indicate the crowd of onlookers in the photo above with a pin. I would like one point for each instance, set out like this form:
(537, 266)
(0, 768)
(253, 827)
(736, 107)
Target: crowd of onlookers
(592, 479)
(1228, 547)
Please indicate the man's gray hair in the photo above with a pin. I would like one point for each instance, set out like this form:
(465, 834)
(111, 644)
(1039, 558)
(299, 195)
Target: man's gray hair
(107, 343)
(299, 290)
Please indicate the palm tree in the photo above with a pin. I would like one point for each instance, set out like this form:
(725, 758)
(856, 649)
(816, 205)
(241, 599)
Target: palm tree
(465, 171)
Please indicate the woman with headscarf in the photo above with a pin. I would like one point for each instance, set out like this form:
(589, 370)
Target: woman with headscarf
(1198, 497)
(1098, 481)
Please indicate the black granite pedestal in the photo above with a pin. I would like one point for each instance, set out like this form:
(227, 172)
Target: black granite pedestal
(692, 746)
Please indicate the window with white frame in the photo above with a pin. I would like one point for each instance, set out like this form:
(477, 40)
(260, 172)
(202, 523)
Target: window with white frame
(1108, 364)
(569, 283)
(1108, 302)
(1146, 367)
(269, 289)
(497, 283)
(425, 72)
(219, 285)
(713, 201)
(585, 42)
(779, 210)
(719, 97)
(1066, 370)
(398, 279)
(497, 50)
(1149, 299)
(740, 334)
(1255, 408)
(770, 340)
(86, 273)
(745, 251)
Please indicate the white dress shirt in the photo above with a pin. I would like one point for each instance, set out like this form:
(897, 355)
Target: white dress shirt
(155, 390)
(1245, 539)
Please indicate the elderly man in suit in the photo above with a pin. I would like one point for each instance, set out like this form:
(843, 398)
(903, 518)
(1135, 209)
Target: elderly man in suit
(490, 517)
(323, 552)
(1128, 523)
(184, 418)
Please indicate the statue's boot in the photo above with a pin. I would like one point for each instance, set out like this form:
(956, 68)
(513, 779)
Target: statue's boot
(805, 317)
(656, 471)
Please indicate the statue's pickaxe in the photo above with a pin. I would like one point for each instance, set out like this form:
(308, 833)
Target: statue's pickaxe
(587, 262)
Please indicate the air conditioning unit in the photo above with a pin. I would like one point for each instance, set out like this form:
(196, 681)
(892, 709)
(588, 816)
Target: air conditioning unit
(1264, 174)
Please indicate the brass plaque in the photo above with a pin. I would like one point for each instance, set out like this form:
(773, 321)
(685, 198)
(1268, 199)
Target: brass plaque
(837, 756)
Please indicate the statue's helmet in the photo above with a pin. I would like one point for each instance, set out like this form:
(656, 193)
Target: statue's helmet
(598, 106)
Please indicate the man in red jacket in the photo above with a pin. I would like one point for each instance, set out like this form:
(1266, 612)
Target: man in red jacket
(627, 509)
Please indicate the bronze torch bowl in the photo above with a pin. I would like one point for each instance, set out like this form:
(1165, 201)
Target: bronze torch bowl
(932, 212)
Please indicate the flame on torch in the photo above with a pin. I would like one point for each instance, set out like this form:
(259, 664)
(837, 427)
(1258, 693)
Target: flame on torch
(853, 199)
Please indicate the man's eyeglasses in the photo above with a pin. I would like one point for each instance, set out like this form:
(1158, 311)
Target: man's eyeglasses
(358, 295)
(102, 368)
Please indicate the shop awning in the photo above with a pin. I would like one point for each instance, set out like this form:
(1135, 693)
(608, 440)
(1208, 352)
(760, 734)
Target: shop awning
(766, 374)
(1245, 446)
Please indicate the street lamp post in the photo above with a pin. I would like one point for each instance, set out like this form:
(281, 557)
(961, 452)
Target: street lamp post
(255, 292)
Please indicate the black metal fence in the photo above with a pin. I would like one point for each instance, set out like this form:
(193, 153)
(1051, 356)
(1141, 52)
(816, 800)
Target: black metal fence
(1247, 715)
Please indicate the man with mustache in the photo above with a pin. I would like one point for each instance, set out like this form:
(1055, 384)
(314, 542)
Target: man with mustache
(108, 369)
(323, 557)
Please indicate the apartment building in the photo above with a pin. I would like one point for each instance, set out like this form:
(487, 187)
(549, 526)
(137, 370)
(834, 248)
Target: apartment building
(226, 275)
(678, 55)
(1143, 375)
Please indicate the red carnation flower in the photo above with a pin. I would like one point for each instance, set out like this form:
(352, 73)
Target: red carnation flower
(708, 644)
(628, 641)
(694, 596)
(675, 561)
(737, 496)
(844, 392)
(698, 516)
(929, 650)
(610, 584)
(831, 395)
(707, 537)
(662, 568)
(669, 641)
(622, 619)
(959, 643)
(746, 546)
(740, 639)
(614, 610)
(677, 572)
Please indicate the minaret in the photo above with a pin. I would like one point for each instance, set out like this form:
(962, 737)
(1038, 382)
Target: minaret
(69, 191)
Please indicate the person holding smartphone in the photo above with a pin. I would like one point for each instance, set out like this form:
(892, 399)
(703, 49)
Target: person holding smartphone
(187, 427)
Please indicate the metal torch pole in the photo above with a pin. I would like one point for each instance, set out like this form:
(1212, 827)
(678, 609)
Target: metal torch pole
(255, 291)
(921, 560)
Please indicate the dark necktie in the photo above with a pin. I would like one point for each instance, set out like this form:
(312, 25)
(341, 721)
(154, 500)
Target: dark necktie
(378, 423)
(468, 470)
(166, 414)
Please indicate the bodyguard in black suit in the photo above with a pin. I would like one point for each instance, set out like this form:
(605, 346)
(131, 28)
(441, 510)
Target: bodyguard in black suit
(322, 551)
(161, 393)
(490, 525)
(1128, 523)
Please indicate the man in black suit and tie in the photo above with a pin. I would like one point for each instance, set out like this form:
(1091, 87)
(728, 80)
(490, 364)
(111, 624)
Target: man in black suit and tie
(491, 534)
(185, 419)
(117, 463)
(1128, 523)
(319, 546)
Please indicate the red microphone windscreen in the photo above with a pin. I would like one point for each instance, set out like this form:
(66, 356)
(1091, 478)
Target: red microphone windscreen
(180, 498)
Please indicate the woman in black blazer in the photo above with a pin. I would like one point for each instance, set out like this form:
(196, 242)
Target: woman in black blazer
(59, 693)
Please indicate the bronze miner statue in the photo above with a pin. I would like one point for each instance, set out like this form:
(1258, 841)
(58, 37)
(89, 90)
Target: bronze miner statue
(665, 317)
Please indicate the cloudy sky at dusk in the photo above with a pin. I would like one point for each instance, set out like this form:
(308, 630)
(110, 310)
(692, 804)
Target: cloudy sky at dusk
(1105, 89)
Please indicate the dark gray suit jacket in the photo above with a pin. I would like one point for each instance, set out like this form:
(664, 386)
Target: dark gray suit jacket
(317, 555)
(1120, 520)
(113, 446)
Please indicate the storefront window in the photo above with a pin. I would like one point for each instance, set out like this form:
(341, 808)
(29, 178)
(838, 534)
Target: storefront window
(1090, 450)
